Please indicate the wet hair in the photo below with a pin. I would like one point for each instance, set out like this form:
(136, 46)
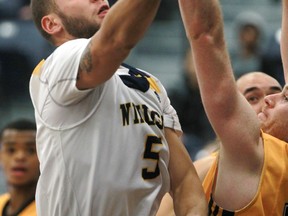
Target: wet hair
(19, 124)
(41, 8)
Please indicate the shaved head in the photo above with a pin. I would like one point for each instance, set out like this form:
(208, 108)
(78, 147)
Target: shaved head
(255, 86)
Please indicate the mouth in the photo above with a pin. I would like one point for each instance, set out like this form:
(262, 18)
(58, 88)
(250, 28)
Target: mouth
(262, 116)
(18, 171)
(103, 9)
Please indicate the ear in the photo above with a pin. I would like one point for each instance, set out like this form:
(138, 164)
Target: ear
(51, 24)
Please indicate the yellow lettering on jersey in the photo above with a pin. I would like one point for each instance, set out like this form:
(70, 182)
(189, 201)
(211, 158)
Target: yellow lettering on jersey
(140, 114)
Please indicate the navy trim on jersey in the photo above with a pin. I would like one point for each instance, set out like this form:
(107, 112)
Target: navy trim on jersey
(216, 209)
(137, 79)
(285, 211)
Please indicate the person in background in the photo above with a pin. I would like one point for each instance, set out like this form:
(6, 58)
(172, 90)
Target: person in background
(255, 86)
(246, 52)
(20, 165)
(107, 136)
(272, 62)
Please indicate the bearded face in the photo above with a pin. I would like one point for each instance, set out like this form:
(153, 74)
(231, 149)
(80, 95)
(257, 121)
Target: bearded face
(79, 27)
(273, 115)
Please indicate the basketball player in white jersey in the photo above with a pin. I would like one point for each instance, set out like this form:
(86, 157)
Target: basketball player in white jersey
(107, 135)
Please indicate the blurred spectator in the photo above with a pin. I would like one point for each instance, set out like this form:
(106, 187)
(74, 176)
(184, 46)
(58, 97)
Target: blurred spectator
(272, 62)
(25, 12)
(246, 53)
(20, 166)
(185, 98)
(15, 9)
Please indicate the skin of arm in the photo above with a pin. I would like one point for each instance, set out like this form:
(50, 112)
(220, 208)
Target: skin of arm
(186, 189)
(123, 26)
(223, 102)
(201, 166)
(233, 119)
(284, 38)
(166, 207)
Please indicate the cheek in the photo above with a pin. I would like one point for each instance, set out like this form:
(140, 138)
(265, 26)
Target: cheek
(279, 130)
(34, 163)
(5, 161)
(278, 123)
(257, 107)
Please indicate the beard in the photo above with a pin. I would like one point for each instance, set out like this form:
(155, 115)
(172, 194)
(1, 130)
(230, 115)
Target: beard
(78, 27)
(277, 130)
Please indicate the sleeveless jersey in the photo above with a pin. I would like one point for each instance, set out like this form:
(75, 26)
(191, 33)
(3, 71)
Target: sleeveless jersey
(272, 194)
(102, 151)
(28, 210)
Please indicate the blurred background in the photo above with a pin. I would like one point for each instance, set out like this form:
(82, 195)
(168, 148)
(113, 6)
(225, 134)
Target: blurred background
(252, 29)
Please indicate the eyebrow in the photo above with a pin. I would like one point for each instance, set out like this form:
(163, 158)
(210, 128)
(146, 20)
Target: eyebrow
(275, 88)
(10, 143)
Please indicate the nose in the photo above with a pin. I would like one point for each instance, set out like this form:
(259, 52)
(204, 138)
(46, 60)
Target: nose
(20, 155)
(270, 100)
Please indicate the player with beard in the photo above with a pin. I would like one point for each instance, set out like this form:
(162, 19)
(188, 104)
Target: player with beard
(107, 136)
(250, 175)
(254, 86)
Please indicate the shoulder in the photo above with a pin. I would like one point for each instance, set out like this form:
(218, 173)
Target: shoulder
(269, 138)
(73, 43)
(203, 165)
(3, 200)
(69, 48)
(275, 147)
(63, 63)
(30, 210)
(4, 197)
(152, 81)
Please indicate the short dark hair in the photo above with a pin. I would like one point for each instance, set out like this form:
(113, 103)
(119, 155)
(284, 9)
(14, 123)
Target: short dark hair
(41, 8)
(19, 124)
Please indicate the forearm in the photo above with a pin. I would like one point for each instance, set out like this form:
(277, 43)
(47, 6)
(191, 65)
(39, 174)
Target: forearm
(284, 38)
(190, 196)
(128, 20)
(123, 26)
(186, 189)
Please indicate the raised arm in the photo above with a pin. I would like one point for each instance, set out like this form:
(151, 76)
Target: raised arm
(232, 118)
(284, 39)
(123, 26)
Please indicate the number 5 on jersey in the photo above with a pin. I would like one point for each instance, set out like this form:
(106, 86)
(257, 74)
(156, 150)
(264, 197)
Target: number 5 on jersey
(150, 153)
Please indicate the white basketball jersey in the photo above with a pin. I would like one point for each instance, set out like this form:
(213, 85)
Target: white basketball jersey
(102, 151)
